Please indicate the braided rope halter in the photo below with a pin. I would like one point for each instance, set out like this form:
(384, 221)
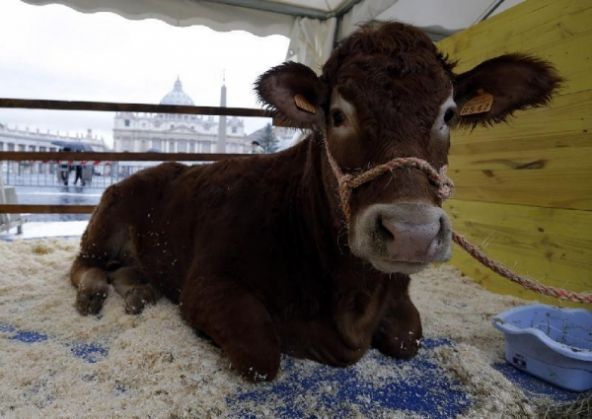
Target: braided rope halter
(348, 182)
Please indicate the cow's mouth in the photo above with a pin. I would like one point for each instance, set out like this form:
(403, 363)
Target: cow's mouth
(387, 265)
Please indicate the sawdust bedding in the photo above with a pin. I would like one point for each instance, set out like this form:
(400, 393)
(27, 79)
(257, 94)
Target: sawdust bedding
(55, 363)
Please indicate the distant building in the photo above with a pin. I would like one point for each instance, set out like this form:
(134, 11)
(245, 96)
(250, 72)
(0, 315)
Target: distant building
(18, 139)
(178, 133)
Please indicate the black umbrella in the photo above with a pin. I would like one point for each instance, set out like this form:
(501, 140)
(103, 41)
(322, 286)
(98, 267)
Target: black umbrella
(73, 146)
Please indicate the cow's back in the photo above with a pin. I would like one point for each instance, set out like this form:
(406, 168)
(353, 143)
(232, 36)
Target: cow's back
(141, 191)
(179, 216)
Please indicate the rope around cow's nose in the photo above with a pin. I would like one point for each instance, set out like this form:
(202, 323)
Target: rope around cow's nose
(348, 182)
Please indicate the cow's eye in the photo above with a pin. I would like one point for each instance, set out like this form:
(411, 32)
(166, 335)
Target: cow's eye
(338, 117)
(449, 114)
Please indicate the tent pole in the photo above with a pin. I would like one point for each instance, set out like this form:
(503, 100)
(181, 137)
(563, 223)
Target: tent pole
(489, 10)
(338, 14)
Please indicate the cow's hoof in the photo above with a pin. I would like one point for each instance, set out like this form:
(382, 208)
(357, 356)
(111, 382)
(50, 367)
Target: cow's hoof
(263, 366)
(139, 297)
(401, 348)
(90, 299)
(257, 375)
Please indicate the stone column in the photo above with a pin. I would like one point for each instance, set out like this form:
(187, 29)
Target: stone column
(221, 144)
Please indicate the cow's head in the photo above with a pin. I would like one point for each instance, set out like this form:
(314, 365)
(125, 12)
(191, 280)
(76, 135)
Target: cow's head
(387, 92)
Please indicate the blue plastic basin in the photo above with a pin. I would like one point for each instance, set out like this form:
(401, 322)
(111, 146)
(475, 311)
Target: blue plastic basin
(551, 343)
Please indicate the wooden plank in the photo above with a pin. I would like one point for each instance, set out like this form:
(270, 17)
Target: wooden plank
(542, 37)
(113, 156)
(129, 107)
(533, 24)
(540, 160)
(45, 209)
(513, 188)
(542, 150)
(569, 189)
(553, 246)
(519, 141)
(555, 178)
(537, 157)
(64, 105)
(558, 31)
(567, 121)
(571, 58)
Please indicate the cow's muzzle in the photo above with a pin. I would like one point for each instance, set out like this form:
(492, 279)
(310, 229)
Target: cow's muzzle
(403, 237)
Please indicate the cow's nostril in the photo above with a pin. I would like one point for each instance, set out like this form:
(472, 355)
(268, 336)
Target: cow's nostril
(382, 231)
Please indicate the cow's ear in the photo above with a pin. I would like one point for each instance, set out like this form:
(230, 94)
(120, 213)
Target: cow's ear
(294, 92)
(490, 92)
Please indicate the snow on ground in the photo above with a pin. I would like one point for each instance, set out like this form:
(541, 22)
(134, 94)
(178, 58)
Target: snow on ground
(32, 230)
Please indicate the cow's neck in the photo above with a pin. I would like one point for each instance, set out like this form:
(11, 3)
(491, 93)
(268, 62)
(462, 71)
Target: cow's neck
(318, 224)
(322, 220)
(358, 291)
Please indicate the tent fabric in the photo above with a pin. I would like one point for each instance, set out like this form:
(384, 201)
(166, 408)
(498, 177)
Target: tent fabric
(311, 40)
(443, 18)
(363, 12)
(219, 17)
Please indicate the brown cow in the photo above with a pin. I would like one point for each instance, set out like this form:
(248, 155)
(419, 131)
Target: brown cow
(255, 250)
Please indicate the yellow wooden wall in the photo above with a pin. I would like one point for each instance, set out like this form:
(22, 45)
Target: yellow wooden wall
(524, 189)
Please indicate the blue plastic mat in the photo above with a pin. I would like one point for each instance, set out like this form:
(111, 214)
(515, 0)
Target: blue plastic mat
(345, 391)
(90, 352)
(426, 390)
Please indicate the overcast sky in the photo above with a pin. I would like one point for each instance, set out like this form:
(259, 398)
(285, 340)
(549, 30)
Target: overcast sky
(53, 52)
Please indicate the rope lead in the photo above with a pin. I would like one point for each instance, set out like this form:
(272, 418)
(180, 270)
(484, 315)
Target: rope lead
(347, 183)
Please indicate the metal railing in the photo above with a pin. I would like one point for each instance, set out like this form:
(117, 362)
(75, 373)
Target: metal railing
(88, 175)
(19, 156)
(50, 161)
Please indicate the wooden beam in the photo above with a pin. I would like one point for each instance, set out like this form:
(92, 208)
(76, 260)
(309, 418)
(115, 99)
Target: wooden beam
(113, 156)
(541, 157)
(78, 105)
(524, 189)
(550, 245)
(45, 209)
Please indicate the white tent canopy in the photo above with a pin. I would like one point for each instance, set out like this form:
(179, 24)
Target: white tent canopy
(313, 26)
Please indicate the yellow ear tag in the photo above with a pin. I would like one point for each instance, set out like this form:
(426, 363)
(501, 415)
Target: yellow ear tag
(479, 104)
(303, 104)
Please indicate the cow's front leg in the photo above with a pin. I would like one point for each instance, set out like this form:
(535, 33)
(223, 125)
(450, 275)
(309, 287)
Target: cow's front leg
(320, 341)
(399, 332)
(237, 321)
(136, 292)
